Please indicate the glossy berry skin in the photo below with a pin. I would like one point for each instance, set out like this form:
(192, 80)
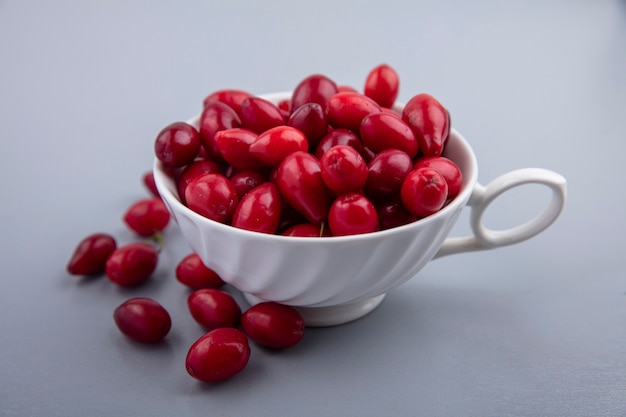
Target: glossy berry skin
(347, 110)
(131, 264)
(213, 196)
(91, 254)
(273, 325)
(352, 214)
(259, 210)
(147, 216)
(307, 230)
(386, 172)
(234, 147)
(445, 167)
(142, 320)
(299, 180)
(231, 97)
(148, 181)
(273, 145)
(380, 131)
(393, 214)
(177, 144)
(343, 170)
(193, 273)
(316, 88)
(194, 170)
(259, 115)
(310, 119)
(382, 85)
(215, 116)
(429, 121)
(245, 181)
(424, 192)
(212, 308)
(338, 137)
(218, 355)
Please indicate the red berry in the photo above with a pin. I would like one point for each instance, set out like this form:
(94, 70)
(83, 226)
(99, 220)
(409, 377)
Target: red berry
(143, 320)
(380, 131)
(234, 146)
(213, 196)
(177, 144)
(352, 214)
(343, 170)
(212, 308)
(382, 85)
(347, 110)
(273, 145)
(429, 121)
(315, 88)
(447, 168)
(91, 254)
(148, 182)
(216, 116)
(245, 181)
(393, 214)
(132, 264)
(300, 182)
(310, 119)
(424, 191)
(273, 325)
(259, 210)
(148, 216)
(192, 272)
(259, 115)
(386, 171)
(194, 170)
(338, 137)
(231, 97)
(218, 355)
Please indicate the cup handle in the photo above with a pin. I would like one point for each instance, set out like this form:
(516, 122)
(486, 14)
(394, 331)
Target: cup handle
(483, 196)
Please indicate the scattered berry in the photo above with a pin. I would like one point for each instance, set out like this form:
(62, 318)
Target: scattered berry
(143, 320)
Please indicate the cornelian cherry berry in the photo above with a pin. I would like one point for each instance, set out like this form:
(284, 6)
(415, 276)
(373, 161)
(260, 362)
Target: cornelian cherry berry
(229, 96)
(343, 170)
(244, 181)
(273, 145)
(447, 168)
(380, 131)
(91, 254)
(316, 88)
(147, 216)
(193, 273)
(424, 191)
(310, 119)
(352, 214)
(143, 320)
(212, 308)
(430, 122)
(273, 325)
(148, 182)
(216, 116)
(131, 264)
(259, 115)
(213, 196)
(382, 85)
(234, 147)
(259, 210)
(347, 110)
(386, 171)
(177, 144)
(218, 355)
(195, 169)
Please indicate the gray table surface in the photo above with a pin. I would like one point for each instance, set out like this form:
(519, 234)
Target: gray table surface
(535, 329)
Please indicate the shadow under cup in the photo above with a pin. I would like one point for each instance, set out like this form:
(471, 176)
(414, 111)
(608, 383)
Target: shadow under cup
(331, 280)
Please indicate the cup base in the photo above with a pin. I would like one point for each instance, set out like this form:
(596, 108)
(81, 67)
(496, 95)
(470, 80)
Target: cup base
(331, 315)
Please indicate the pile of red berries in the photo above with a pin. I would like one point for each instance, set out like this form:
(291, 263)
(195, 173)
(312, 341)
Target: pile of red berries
(329, 155)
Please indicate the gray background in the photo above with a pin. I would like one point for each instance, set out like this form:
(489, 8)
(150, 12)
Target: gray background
(537, 329)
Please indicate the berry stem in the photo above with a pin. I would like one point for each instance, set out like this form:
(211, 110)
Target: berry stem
(157, 240)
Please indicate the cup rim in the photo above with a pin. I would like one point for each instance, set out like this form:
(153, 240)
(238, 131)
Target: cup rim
(162, 179)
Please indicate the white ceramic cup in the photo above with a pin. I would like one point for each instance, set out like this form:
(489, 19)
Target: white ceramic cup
(334, 280)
